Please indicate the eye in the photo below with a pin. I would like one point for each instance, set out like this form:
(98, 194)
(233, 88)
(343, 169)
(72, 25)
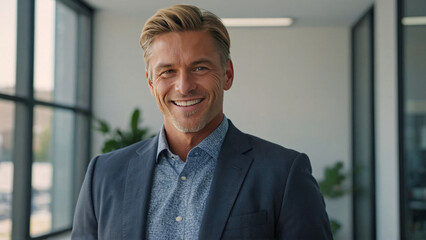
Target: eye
(200, 68)
(167, 72)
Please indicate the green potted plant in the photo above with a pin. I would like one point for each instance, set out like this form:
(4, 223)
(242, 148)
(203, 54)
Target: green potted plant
(117, 138)
(332, 186)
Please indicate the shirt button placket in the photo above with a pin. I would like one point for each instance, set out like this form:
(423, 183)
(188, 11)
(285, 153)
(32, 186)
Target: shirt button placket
(183, 203)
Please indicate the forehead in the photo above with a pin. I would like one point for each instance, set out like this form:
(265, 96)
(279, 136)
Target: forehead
(182, 47)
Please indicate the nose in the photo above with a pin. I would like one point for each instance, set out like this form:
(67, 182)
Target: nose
(184, 83)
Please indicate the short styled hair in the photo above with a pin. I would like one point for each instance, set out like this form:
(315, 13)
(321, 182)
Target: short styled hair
(179, 18)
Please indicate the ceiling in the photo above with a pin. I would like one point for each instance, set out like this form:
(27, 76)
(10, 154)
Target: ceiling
(305, 12)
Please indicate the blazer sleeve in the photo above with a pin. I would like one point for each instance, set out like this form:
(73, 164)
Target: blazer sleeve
(303, 214)
(85, 221)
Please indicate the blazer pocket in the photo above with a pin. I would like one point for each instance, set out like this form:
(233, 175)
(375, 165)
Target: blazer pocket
(247, 220)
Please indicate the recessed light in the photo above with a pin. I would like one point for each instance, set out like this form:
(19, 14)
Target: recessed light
(408, 21)
(257, 22)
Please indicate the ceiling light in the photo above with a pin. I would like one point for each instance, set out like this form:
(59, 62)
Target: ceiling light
(414, 21)
(257, 22)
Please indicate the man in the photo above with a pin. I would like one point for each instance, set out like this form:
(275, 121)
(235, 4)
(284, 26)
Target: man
(200, 177)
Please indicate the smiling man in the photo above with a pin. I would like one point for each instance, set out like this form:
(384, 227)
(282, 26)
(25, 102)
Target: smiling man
(200, 177)
(188, 79)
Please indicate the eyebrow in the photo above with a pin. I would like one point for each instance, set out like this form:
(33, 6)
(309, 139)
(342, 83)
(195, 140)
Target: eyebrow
(202, 61)
(196, 62)
(163, 65)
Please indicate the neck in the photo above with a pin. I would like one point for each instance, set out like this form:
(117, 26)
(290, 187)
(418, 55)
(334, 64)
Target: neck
(180, 143)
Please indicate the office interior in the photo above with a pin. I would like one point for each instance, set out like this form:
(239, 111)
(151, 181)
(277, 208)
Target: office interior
(344, 83)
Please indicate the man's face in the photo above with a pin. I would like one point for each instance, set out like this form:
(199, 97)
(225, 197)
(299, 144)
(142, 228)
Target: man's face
(188, 80)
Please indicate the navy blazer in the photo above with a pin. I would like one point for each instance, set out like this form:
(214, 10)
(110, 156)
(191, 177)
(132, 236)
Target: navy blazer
(260, 190)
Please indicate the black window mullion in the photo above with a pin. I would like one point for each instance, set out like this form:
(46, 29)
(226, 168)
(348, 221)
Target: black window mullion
(62, 106)
(82, 122)
(21, 197)
(363, 156)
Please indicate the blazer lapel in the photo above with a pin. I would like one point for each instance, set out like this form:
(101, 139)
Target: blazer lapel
(138, 189)
(231, 169)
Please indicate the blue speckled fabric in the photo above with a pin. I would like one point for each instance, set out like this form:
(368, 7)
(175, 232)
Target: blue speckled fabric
(180, 189)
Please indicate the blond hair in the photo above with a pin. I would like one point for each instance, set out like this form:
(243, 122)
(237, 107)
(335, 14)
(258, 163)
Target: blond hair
(179, 18)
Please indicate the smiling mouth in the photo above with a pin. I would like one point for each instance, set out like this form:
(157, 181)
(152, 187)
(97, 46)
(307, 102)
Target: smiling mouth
(187, 103)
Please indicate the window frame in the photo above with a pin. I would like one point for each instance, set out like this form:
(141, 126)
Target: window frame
(368, 15)
(25, 103)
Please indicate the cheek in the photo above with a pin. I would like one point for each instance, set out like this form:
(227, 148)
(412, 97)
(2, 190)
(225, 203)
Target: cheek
(159, 93)
(217, 86)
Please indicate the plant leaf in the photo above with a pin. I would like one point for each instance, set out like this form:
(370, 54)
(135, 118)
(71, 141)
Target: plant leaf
(332, 184)
(119, 133)
(335, 225)
(135, 120)
(102, 126)
(110, 145)
(118, 138)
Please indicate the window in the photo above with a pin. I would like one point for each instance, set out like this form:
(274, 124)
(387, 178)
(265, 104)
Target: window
(412, 103)
(45, 109)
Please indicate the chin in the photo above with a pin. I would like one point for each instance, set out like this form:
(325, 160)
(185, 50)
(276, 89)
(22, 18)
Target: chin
(191, 126)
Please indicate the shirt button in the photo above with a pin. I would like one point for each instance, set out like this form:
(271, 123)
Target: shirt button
(178, 218)
(183, 178)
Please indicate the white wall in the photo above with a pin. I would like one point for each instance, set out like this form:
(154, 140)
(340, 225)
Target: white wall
(119, 83)
(292, 87)
(387, 177)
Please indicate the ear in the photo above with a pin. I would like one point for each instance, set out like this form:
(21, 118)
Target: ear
(229, 75)
(151, 87)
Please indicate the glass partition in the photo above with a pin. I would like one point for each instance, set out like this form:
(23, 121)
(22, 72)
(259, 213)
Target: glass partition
(413, 122)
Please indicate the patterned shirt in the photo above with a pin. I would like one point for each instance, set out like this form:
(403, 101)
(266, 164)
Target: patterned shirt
(180, 189)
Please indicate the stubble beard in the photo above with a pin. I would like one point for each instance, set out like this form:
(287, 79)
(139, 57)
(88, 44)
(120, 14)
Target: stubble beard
(195, 128)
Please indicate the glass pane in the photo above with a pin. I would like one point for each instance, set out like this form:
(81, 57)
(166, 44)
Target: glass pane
(8, 47)
(53, 149)
(44, 45)
(414, 81)
(55, 52)
(7, 110)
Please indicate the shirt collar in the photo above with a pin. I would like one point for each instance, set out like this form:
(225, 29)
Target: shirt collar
(211, 144)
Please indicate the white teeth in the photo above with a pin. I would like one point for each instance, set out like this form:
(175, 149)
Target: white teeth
(187, 103)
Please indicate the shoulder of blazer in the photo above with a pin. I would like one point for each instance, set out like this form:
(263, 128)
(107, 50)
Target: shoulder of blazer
(116, 161)
(256, 146)
(135, 148)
